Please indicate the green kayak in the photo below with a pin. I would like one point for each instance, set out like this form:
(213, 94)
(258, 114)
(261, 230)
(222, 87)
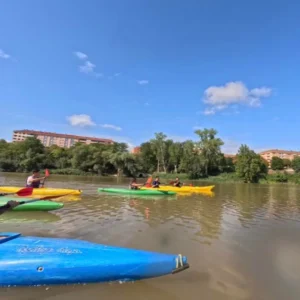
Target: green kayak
(43, 205)
(135, 192)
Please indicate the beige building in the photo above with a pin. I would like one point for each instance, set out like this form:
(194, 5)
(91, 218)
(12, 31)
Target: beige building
(284, 154)
(61, 140)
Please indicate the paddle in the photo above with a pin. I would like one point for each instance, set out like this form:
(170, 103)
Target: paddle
(22, 192)
(47, 173)
(44, 198)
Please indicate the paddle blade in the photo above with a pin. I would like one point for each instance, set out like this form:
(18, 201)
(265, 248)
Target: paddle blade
(47, 173)
(25, 192)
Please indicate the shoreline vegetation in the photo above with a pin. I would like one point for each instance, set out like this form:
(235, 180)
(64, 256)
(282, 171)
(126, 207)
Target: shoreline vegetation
(199, 160)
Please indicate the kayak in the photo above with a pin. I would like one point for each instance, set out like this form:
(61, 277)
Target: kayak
(183, 189)
(43, 205)
(41, 191)
(29, 260)
(136, 192)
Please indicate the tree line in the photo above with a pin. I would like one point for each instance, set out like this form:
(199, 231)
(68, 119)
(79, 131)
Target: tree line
(198, 158)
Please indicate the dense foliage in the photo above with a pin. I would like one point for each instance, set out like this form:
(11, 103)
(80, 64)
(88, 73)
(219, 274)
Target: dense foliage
(197, 159)
(249, 165)
(277, 163)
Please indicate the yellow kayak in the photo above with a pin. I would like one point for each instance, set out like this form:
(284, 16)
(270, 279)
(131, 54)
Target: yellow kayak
(41, 191)
(183, 189)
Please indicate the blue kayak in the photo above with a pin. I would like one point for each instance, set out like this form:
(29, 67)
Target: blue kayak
(45, 261)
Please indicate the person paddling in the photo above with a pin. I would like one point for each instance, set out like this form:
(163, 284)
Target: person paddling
(9, 205)
(134, 185)
(177, 182)
(34, 180)
(156, 182)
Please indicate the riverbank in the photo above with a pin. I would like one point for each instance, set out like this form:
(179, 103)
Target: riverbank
(275, 178)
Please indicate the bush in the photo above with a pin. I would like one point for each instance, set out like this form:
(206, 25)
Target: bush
(280, 177)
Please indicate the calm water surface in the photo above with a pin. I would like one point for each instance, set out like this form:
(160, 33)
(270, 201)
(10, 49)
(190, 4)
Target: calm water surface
(243, 242)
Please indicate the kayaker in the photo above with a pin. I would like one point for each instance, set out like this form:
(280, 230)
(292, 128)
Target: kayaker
(156, 182)
(177, 182)
(9, 205)
(134, 185)
(34, 180)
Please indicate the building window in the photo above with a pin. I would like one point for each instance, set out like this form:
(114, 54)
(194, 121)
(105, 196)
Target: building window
(66, 142)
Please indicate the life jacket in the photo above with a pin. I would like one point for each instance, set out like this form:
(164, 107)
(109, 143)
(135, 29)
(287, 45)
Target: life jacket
(148, 182)
(34, 184)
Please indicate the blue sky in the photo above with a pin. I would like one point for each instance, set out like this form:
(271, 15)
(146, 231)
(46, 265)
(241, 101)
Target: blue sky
(126, 69)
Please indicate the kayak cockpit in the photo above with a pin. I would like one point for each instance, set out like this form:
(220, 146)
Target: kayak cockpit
(7, 236)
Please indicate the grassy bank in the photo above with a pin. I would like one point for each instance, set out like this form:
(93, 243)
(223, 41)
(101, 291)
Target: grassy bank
(224, 177)
(232, 177)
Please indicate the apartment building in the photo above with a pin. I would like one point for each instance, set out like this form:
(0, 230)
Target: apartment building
(136, 150)
(284, 154)
(61, 140)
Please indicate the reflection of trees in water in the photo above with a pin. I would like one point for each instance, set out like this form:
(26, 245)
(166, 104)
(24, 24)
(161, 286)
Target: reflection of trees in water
(202, 213)
(250, 200)
(253, 201)
(32, 216)
(284, 201)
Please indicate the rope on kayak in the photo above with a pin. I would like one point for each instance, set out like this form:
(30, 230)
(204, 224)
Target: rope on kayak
(179, 262)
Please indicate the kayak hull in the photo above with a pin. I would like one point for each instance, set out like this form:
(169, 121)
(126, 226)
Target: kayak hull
(136, 192)
(43, 205)
(183, 189)
(41, 191)
(26, 261)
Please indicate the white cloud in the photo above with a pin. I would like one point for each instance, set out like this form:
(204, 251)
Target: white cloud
(87, 67)
(143, 82)
(117, 74)
(80, 120)
(109, 126)
(232, 93)
(4, 55)
(81, 55)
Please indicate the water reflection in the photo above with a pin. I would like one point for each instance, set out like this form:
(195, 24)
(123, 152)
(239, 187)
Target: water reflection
(30, 216)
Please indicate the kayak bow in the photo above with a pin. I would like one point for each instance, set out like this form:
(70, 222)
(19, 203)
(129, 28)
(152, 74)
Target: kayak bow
(42, 205)
(39, 261)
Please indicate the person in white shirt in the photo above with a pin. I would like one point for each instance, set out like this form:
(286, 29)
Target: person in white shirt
(34, 180)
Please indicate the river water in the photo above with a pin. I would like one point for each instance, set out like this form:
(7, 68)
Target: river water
(242, 242)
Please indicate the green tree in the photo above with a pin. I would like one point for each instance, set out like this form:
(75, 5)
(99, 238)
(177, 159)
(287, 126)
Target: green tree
(277, 163)
(191, 162)
(249, 165)
(159, 149)
(226, 164)
(209, 148)
(123, 162)
(147, 158)
(175, 155)
(296, 164)
(287, 163)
